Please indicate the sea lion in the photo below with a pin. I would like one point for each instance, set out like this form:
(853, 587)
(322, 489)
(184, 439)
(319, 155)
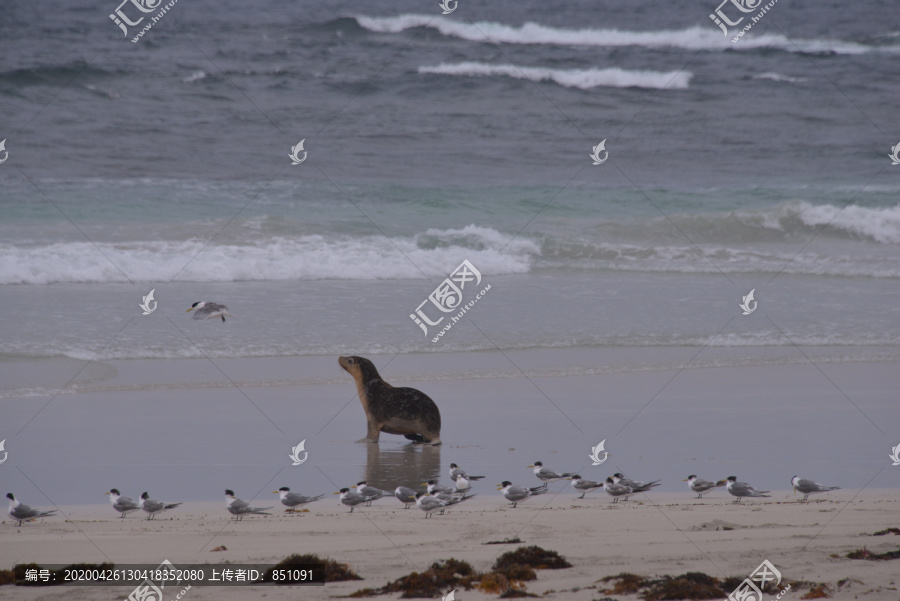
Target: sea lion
(405, 411)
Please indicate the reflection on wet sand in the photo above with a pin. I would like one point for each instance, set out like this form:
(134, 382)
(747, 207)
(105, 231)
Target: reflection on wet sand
(409, 466)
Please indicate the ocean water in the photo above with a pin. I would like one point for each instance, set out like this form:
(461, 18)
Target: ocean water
(163, 165)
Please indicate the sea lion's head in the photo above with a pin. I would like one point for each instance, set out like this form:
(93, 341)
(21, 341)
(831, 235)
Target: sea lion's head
(360, 368)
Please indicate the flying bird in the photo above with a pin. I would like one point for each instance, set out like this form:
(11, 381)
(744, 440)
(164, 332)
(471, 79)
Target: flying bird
(22, 513)
(808, 487)
(239, 508)
(153, 507)
(121, 504)
(208, 310)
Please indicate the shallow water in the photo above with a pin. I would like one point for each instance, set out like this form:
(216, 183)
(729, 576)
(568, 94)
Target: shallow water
(764, 424)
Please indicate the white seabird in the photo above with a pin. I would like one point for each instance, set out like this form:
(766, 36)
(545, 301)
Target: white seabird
(208, 310)
(742, 489)
(239, 508)
(121, 504)
(153, 507)
(20, 512)
(515, 494)
(808, 487)
(292, 500)
(700, 486)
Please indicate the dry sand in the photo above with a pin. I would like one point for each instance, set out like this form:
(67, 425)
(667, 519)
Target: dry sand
(651, 535)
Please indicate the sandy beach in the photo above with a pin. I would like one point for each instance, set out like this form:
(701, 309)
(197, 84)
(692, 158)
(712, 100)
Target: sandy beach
(651, 535)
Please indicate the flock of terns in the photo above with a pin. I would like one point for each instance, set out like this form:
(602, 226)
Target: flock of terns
(437, 497)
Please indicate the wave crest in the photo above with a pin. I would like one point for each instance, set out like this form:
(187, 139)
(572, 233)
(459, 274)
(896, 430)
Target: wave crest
(692, 38)
(433, 253)
(584, 79)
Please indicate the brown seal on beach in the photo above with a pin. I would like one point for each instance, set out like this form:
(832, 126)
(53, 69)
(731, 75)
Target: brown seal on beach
(405, 411)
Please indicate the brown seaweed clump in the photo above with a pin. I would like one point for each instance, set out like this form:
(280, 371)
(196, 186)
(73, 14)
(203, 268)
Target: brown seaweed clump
(692, 585)
(507, 577)
(866, 554)
(533, 557)
(819, 591)
(440, 577)
(627, 584)
(513, 593)
(886, 531)
(326, 570)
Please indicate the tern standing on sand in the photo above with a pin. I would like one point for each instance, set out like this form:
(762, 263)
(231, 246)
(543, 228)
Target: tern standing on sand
(20, 512)
(808, 487)
(742, 489)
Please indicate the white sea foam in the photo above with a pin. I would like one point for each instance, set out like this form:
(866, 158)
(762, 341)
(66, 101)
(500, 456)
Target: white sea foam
(584, 79)
(195, 76)
(692, 38)
(881, 224)
(431, 253)
(849, 241)
(779, 77)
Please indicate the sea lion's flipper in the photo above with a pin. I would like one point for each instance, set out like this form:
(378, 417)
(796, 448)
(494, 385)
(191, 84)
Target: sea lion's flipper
(373, 432)
(415, 437)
